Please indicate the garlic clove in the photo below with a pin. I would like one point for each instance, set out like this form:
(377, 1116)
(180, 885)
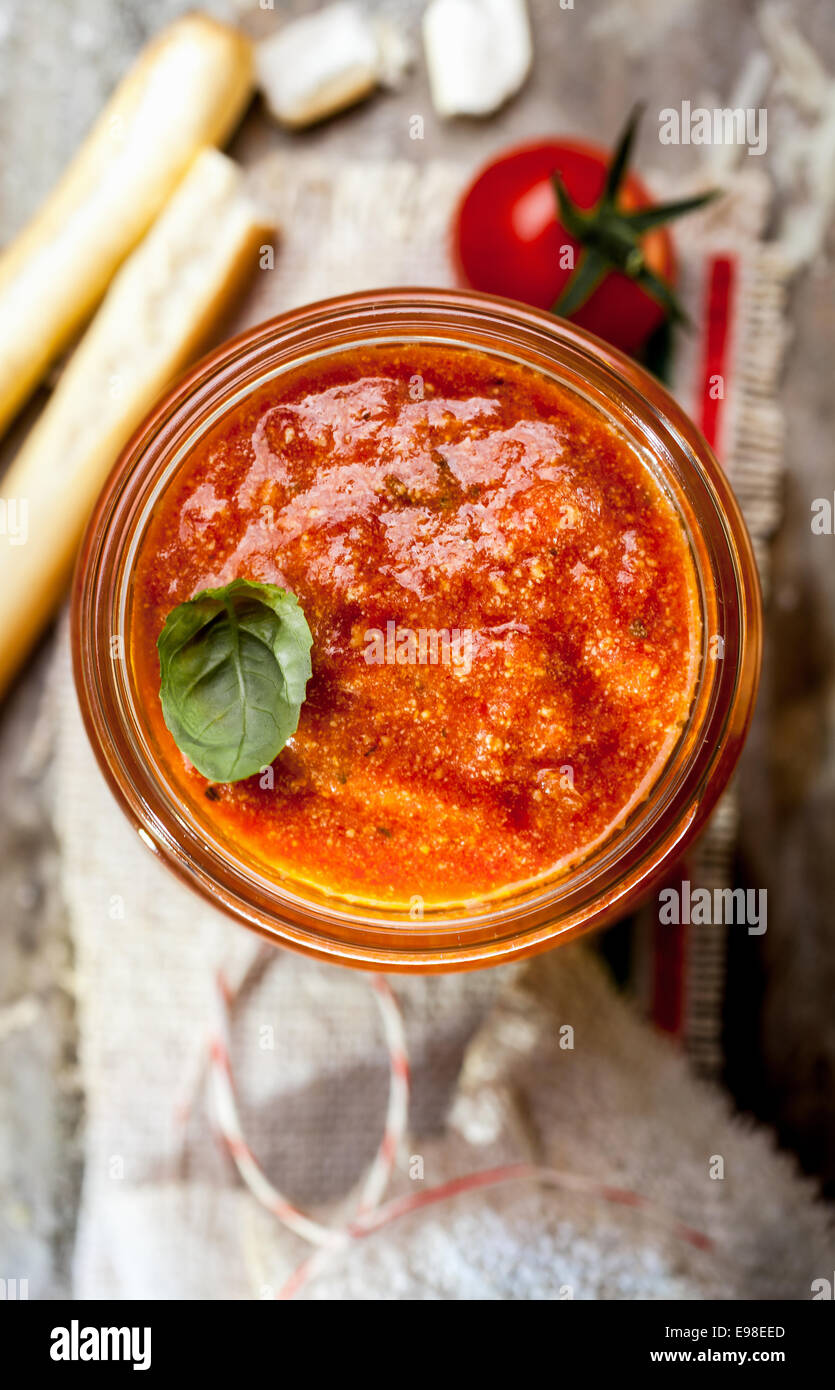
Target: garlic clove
(478, 53)
(318, 65)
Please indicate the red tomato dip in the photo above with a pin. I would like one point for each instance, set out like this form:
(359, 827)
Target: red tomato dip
(504, 615)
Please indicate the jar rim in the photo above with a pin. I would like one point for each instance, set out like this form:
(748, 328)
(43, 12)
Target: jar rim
(604, 882)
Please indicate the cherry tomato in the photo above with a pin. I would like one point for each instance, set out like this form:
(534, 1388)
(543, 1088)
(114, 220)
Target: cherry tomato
(509, 241)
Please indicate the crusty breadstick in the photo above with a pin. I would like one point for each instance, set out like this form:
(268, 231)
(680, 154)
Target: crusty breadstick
(188, 89)
(154, 320)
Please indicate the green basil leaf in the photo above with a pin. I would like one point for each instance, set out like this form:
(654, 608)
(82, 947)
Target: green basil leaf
(234, 666)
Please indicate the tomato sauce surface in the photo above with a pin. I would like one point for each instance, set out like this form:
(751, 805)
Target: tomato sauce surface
(503, 608)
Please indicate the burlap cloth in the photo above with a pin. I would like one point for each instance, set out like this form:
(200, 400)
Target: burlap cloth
(163, 1212)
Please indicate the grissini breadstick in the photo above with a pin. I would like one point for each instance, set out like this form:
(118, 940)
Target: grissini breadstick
(188, 89)
(155, 318)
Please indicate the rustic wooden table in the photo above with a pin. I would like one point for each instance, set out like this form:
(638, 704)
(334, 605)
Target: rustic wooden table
(57, 64)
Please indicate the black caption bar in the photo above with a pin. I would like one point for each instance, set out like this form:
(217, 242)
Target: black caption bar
(147, 1339)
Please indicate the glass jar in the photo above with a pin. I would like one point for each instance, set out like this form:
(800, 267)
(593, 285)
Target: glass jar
(616, 873)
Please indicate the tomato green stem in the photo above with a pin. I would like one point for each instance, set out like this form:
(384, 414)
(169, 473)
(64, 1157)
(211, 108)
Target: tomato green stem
(611, 236)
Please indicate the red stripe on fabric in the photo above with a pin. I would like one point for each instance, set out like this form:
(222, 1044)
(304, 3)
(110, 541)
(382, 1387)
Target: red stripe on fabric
(623, 1197)
(669, 983)
(697, 1238)
(219, 1055)
(720, 292)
